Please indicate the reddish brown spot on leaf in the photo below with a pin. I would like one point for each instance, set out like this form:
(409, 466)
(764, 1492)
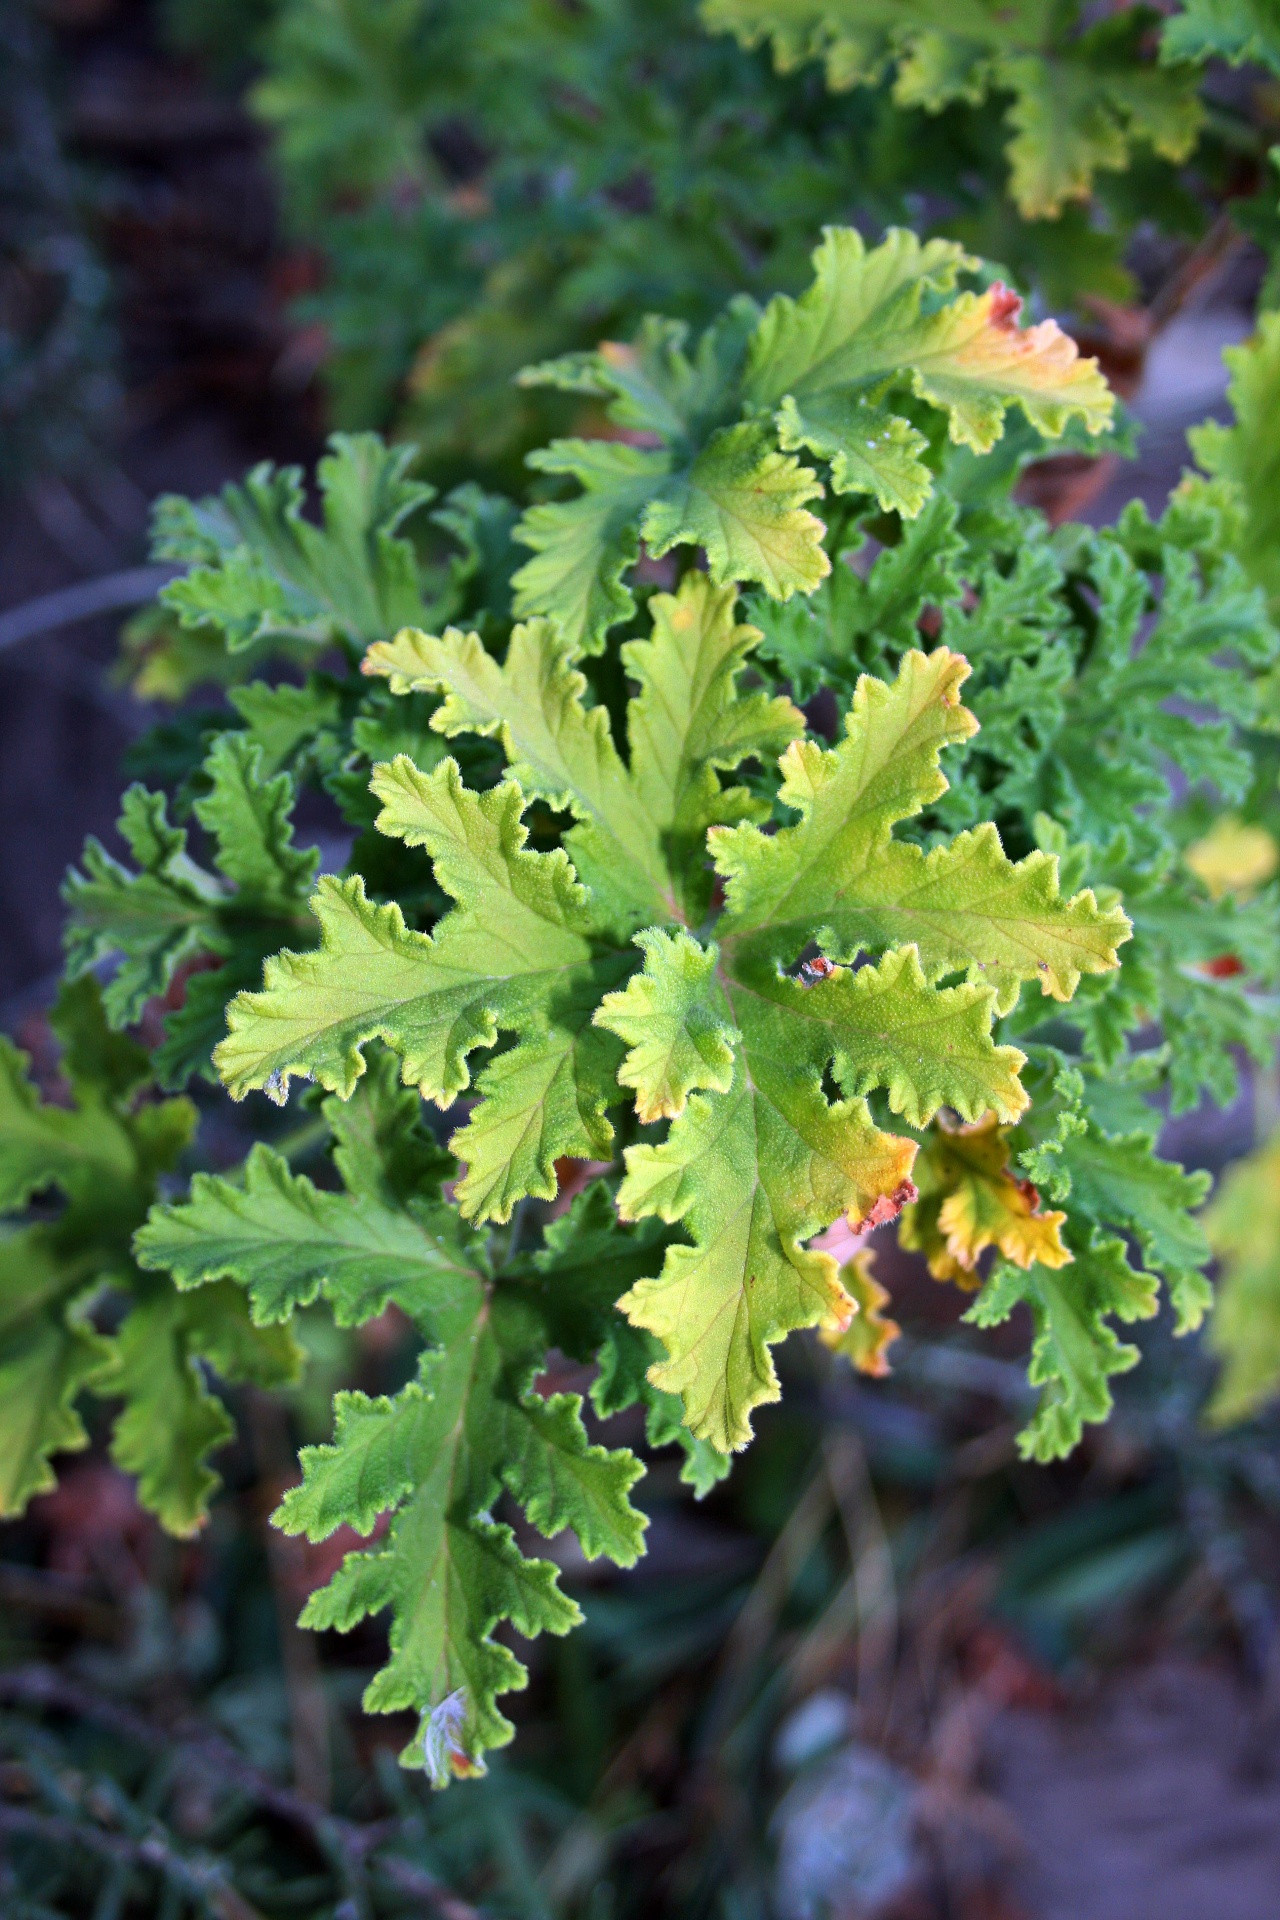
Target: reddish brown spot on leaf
(890, 1205)
(1006, 305)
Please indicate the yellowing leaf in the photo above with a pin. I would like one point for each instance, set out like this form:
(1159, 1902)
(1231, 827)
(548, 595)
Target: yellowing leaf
(865, 1342)
(973, 359)
(969, 1201)
(750, 1177)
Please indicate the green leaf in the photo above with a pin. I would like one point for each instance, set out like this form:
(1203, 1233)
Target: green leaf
(263, 572)
(171, 1423)
(641, 833)
(173, 911)
(853, 624)
(287, 1242)
(1080, 101)
(250, 819)
(513, 956)
(1238, 31)
(104, 1155)
(750, 1175)
(437, 1456)
(440, 1453)
(675, 1031)
(870, 450)
(282, 719)
(689, 722)
(1121, 1182)
(582, 547)
(557, 749)
(43, 1145)
(744, 504)
(840, 877)
(151, 921)
(1075, 1350)
(810, 373)
(1243, 459)
(48, 1355)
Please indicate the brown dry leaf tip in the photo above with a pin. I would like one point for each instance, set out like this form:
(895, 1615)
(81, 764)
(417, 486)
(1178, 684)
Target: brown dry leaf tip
(889, 1205)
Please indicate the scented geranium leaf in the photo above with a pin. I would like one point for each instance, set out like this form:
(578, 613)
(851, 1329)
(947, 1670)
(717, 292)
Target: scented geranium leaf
(970, 1199)
(973, 359)
(150, 921)
(100, 1063)
(439, 1455)
(250, 818)
(1080, 101)
(750, 1174)
(851, 623)
(865, 1342)
(885, 770)
(641, 830)
(769, 1162)
(839, 878)
(863, 322)
(1243, 1229)
(744, 503)
(381, 1145)
(1243, 459)
(286, 1242)
(1012, 614)
(673, 1023)
(513, 955)
(582, 547)
(870, 450)
(688, 722)
(1121, 1183)
(283, 719)
(48, 1356)
(43, 1145)
(174, 912)
(170, 1422)
(557, 749)
(263, 572)
(1232, 30)
(1075, 1350)
(103, 1155)
(588, 1258)
(518, 931)
(98, 1153)
(967, 906)
(928, 1047)
(814, 373)
(541, 1102)
(839, 333)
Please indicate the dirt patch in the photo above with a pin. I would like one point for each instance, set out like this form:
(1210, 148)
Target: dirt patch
(1159, 1801)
